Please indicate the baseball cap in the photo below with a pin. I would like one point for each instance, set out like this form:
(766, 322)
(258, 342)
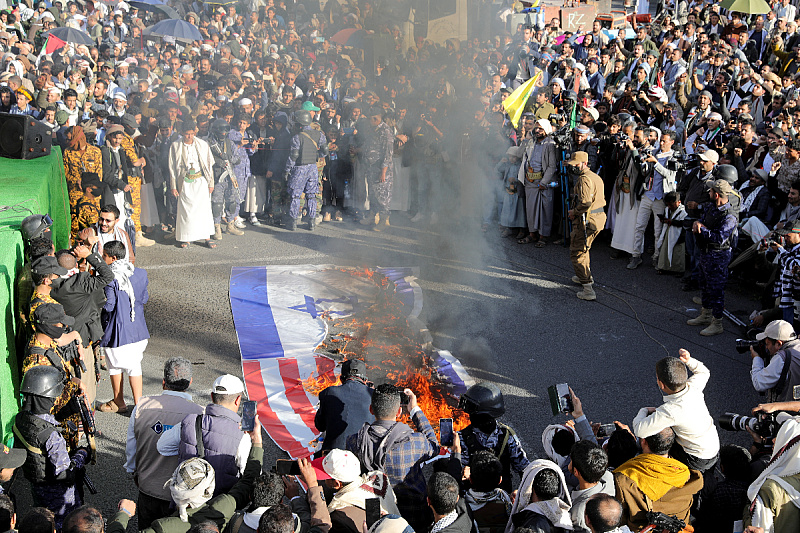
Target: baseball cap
(710, 155)
(594, 113)
(48, 313)
(790, 227)
(341, 465)
(578, 157)
(780, 330)
(12, 457)
(228, 384)
(721, 186)
(308, 105)
(354, 367)
(47, 265)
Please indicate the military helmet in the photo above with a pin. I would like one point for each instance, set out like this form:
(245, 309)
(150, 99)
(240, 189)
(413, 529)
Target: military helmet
(220, 128)
(43, 380)
(727, 173)
(34, 226)
(483, 398)
(302, 117)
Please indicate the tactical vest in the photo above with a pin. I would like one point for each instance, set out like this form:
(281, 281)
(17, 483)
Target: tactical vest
(154, 416)
(501, 450)
(221, 436)
(32, 433)
(711, 219)
(309, 147)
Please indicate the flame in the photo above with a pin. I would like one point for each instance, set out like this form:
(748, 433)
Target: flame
(403, 361)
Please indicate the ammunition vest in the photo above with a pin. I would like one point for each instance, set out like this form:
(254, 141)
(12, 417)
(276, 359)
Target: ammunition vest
(309, 147)
(501, 450)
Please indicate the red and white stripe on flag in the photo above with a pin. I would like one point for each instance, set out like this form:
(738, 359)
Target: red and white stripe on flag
(287, 411)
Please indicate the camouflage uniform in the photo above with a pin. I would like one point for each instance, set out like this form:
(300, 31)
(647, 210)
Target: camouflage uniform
(304, 179)
(377, 154)
(715, 241)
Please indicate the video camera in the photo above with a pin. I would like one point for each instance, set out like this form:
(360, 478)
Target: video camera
(563, 138)
(765, 425)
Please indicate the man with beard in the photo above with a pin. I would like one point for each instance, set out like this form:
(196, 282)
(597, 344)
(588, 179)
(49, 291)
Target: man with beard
(376, 153)
(538, 170)
(107, 229)
(626, 195)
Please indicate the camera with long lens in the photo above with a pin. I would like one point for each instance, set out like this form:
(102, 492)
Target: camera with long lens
(556, 117)
(764, 425)
(743, 346)
(563, 138)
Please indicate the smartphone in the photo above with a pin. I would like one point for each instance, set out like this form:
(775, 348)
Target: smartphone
(403, 398)
(560, 398)
(605, 430)
(446, 436)
(248, 415)
(287, 467)
(373, 510)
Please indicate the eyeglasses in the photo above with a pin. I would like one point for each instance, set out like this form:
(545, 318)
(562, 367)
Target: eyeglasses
(107, 220)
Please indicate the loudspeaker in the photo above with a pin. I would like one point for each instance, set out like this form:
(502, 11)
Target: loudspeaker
(23, 137)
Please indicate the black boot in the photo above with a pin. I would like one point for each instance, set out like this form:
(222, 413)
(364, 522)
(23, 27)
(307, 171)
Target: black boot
(291, 224)
(311, 223)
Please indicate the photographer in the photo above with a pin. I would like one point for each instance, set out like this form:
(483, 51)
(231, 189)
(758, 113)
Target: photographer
(582, 142)
(394, 448)
(782, 373)
(774, 494)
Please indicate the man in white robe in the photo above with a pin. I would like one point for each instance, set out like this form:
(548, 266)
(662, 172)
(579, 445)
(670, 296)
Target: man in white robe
(192, 181)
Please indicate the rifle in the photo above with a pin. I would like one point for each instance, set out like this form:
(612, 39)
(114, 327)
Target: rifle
(661, 523)
(72, 354)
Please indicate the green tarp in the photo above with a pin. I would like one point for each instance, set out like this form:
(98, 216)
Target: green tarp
(26, 187)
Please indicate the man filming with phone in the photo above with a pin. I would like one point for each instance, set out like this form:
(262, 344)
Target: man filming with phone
(394, 448)
(215, 436)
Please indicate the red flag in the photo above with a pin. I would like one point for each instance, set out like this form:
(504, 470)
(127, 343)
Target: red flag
(53, 44)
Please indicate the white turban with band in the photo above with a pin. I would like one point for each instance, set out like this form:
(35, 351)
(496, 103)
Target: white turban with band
(545, 125)
(191, 485)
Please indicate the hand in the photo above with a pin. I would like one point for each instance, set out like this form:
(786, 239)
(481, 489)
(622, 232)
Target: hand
(412, 400)
(128, 506)
(684, 355)
(766, 408)
(700, 132)
(697, 226)
(175, 193)
(737, 152)
(383, 175)
(758, 320)
(456, 443)
(571, 214)
(651, 159)
(776, 166)
(542, 186)
(753, 353)
(210, 189)
(81, 251)
(269, 174)
(255, 435)
(577, 410)
(127, 188)
(623, 426)
(307, 472)
(80, 384)
(629, 144)
(291, 486)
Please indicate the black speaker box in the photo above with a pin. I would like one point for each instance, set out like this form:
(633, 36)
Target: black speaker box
(23, 137)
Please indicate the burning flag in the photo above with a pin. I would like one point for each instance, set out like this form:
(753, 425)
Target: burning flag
(295, 323)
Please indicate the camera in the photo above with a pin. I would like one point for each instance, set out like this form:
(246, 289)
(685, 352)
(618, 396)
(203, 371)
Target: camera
(560, 398)
(557, 117)
(764, 425)
(563, 138)
(743, 346)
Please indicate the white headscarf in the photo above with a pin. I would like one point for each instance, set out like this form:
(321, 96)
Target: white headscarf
(191, 485)
(785, 462)
(547, 443)
(555, 510)
(123, 270)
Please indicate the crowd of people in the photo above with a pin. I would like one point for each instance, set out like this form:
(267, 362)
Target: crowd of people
(688, 126)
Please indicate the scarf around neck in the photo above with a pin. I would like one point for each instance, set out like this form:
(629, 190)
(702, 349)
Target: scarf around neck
(369, 485)
(654, 474)
(123, 270)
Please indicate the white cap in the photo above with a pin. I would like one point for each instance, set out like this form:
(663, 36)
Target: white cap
(341, 465)
(228, 384)
(779, 330)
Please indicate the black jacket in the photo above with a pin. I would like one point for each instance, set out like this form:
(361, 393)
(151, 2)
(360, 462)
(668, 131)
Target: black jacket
(82, 297)
(536, 522)
(464, 523)
(342, 411)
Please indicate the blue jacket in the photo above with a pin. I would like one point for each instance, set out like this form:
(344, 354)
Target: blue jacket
(342, 411)
(116, 316)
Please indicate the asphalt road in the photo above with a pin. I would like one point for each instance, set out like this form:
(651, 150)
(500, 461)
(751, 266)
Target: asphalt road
(507, 310)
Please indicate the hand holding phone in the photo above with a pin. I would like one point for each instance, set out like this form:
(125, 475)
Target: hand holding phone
(446, 436)
(373, 510)
(248, 415)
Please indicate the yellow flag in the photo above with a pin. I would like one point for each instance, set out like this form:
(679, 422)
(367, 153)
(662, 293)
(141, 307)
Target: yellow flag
(516, 101)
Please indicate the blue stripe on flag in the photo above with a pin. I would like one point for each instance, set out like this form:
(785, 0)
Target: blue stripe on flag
(252, 314)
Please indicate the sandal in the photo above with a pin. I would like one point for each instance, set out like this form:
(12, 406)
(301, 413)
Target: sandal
(183, 245)
(525, 240)
(541, 244)
(210, 244)
(111, 407)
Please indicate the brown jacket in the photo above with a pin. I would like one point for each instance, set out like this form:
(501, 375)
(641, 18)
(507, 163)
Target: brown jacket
(588, 194)
(635, 504)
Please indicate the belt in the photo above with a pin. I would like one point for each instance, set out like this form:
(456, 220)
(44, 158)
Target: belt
(597, 211)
